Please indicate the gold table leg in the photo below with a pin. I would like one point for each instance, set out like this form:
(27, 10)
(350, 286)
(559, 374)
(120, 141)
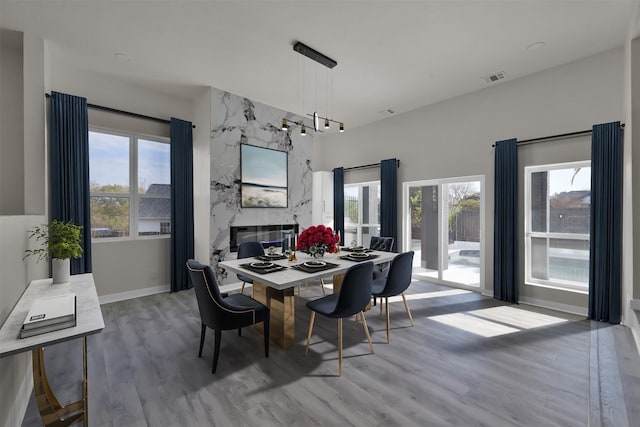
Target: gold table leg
(52, 413)
(281, 303)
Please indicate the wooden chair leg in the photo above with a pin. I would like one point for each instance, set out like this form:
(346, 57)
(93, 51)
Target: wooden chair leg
(386, 303)
(266, 337)
(355, 321)
(324, 293)
(203, 331)
(216, 350)
(340, 346)
(242, 288)
(381, 304)
(366, 331)
(406, 307)
(313, 316)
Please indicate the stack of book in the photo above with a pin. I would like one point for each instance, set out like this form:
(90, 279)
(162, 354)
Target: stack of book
(50, 314)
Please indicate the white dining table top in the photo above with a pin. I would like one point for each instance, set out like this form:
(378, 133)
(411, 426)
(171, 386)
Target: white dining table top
(290, 277)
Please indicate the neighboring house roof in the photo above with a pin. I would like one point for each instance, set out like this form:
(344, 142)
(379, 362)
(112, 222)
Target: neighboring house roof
(571, 199)
(156, 207)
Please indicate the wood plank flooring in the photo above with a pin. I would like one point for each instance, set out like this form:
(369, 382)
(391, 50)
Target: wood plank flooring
(469, 361)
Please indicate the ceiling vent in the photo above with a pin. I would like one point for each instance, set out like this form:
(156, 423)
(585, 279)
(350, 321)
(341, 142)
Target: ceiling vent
(494, 78)
(387, 113)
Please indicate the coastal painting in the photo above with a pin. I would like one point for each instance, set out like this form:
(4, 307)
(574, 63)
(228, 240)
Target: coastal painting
(264, 177)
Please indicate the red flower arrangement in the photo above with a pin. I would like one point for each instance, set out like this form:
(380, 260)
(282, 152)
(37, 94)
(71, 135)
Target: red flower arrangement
(319, 236)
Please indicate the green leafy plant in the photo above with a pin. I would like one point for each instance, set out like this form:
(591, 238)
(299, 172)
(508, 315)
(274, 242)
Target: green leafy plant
(60, 240)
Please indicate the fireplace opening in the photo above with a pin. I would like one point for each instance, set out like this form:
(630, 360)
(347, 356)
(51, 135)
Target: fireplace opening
(267, 235)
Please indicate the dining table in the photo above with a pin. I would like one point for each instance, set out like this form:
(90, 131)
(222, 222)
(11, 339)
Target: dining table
(275, 278)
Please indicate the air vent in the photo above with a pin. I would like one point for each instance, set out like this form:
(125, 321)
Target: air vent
(494, 78)
(387, 113)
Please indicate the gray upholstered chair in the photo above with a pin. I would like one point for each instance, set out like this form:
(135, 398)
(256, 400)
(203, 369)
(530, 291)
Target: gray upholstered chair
(248, 250)
(384, 244)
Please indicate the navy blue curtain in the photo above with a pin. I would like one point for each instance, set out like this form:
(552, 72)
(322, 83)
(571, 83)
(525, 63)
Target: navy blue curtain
(606, 223)
(181, 203)
(389, 200)
(505, 227)
(338, 201)
(69, 169)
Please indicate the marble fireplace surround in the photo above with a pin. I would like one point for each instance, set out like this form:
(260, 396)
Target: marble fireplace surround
(267, 235)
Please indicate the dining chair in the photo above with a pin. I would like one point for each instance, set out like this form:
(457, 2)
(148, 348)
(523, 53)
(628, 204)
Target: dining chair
(248, 250)
(353, 297)
(396, 283)
(224, 313)
(383, 244)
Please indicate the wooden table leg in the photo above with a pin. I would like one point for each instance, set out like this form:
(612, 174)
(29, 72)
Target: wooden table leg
(52, 413)
(281, 303)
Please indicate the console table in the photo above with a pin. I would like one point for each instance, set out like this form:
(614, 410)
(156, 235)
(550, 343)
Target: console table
(88, 321)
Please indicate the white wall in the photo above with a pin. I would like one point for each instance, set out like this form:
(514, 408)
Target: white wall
(453, 138)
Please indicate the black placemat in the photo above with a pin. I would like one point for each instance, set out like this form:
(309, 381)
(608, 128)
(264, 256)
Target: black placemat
(271, 269)
(277, 257)
(360, 249)
(367, 258)
(307, 269)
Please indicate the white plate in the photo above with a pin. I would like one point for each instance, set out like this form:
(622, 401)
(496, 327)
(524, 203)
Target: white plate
(315, 264)
(359, 255)
(261, 264)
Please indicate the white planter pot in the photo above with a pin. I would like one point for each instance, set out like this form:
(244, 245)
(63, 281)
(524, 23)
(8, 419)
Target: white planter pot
(61, 269)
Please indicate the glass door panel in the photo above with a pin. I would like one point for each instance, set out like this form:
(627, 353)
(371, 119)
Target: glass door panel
(423, 208)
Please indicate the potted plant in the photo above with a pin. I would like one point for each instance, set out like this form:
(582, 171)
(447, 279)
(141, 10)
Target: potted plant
(60, 241)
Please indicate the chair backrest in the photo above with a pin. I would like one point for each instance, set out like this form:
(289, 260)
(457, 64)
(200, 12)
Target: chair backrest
(249, 249)
(355, 292)
(210, 302)
(400, 271)
(384, 244)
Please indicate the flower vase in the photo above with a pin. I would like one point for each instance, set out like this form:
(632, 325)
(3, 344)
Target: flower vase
(61, 270)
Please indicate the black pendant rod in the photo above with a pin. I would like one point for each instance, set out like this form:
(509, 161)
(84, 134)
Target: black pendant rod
(555, 137)
(126, 113)
(372, 165)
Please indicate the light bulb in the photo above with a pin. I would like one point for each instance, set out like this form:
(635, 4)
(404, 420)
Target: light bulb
(303, 130)
(285, 125)
(341, 127)
(326, 123)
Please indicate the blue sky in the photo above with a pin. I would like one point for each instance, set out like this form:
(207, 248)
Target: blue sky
(109, 160)
(264, 166)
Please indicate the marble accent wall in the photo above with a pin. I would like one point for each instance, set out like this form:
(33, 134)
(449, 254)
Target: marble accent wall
(234, 121)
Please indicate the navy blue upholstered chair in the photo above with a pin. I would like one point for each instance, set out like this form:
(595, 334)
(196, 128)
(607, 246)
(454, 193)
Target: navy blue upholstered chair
(353, 297)
(383, 244)
(248, 250)
(396, 282)
(224, 313)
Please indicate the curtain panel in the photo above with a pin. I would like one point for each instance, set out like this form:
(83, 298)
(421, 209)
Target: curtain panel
(505, 228)
(69, 169)
(338, 201)
(389, 200)
(182, 239)
(606, 223)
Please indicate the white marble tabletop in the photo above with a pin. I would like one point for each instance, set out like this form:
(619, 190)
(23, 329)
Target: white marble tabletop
(88, 314)
(290, 277)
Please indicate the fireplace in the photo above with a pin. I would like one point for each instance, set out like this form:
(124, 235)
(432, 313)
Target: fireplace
(268, 235)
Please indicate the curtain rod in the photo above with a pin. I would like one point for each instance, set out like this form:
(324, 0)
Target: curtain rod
(372, 165)
(556, 137)
(126, 113)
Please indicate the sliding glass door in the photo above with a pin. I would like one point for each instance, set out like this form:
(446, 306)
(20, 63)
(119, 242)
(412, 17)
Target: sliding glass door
(443, 225)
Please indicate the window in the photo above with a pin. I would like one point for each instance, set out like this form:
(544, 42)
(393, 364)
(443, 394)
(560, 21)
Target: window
(130, 185)
(557, 215)
(361, 212)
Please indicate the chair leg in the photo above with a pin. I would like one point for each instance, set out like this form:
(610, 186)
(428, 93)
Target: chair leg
(216, 350)
(381, 304)
(242, 288)
(386, 303)
(340, 346)
(313, 317)
(203, 331)
(266, 337)
(406, 307)
(239, 332)
(366, 331)
(355, 321)
(324, 293)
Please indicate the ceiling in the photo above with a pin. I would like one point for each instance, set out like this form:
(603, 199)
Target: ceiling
(392, 55)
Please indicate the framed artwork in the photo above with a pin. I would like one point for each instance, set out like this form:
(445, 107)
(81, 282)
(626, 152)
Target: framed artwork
(264, 177)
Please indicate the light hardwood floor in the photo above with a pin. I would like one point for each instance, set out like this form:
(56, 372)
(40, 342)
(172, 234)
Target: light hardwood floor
(469, 361)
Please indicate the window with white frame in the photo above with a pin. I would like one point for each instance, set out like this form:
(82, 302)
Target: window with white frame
(361, 213)
(130, 184)
(557, 216)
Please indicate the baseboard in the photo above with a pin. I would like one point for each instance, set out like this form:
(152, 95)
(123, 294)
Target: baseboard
(16, 414)
(573, 309)
(121, 296)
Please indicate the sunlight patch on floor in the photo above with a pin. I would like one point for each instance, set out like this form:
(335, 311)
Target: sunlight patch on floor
(496, 321)
(426, 295)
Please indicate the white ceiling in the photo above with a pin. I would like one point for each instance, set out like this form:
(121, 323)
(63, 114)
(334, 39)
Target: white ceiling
(397, 55)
